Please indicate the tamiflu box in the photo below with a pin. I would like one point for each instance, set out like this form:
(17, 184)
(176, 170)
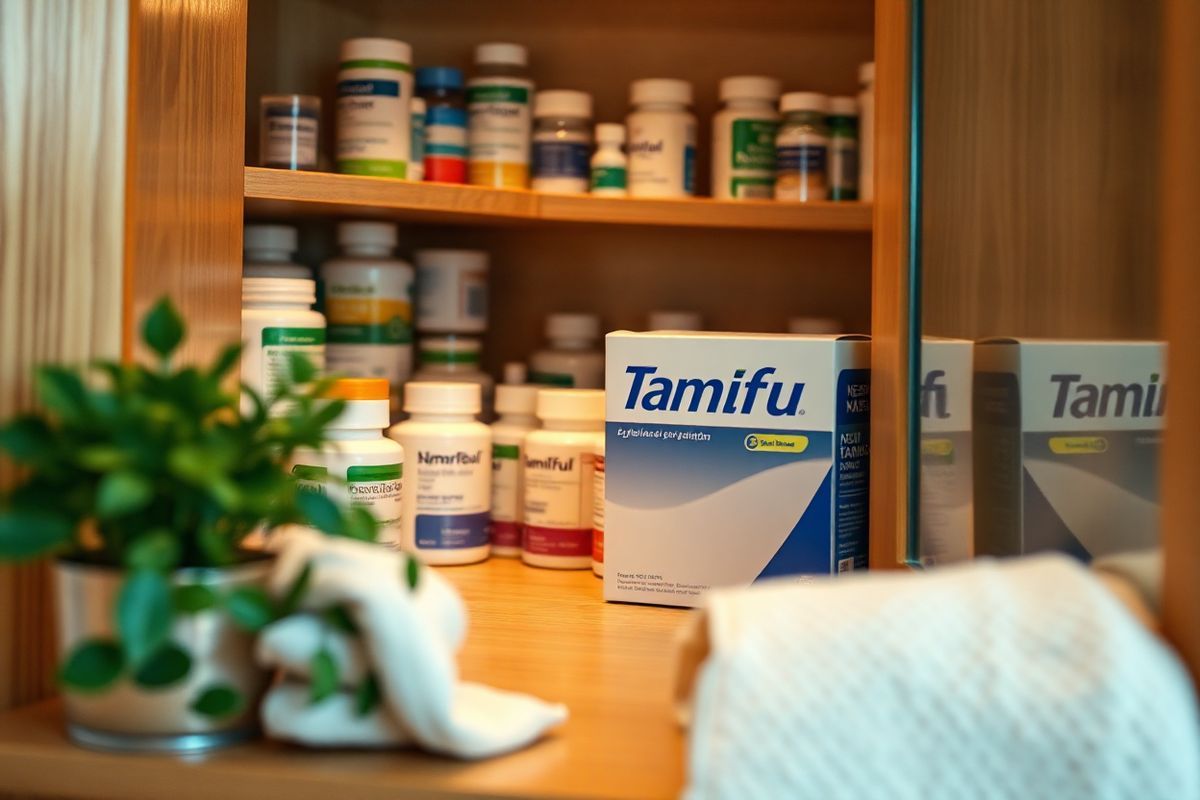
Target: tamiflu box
(731, 458)
(1067, 444)
(945, 476)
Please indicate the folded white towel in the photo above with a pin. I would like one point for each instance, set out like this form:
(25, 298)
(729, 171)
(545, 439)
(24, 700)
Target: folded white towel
(408, 638)
(290, 643)
(1024, 679)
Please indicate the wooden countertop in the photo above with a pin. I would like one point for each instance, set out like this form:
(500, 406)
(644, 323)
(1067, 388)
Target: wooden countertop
(540, 631)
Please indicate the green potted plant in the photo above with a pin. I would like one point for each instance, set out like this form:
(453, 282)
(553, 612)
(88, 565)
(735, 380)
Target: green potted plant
(144, 483)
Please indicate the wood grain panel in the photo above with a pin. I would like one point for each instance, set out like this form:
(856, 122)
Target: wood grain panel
(63, 67)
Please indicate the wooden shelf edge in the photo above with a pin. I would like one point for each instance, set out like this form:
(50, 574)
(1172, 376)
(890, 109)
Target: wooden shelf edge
(279, 193)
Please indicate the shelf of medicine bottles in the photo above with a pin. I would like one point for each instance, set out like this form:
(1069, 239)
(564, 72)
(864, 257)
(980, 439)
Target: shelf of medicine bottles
(546, 632)
(285, 194)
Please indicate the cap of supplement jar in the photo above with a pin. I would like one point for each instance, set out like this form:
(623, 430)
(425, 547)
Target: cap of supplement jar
(279, 290)
(515, 373)
(270, 237)
(501, 53)
(610, 133)
(814, 325)
(562, 103)
(421, 397)
(570, 404)
(866, 72)
(660, 90)
(439, 78)
(449, 350)
(843, 107)
(572, 326)
(675, 321)
(367, 403)
(749, 87)
(372, 234)
(476, 260)
(803, 101)
(376, 50)
(417, 105)
(512, 399)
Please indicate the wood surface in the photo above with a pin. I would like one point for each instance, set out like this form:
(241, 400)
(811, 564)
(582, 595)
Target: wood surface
(544, 632)
(63, 71)
(891, 394)
(1180, 245)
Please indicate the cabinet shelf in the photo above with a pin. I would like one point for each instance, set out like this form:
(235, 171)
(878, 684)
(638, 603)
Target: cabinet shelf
(285, 194)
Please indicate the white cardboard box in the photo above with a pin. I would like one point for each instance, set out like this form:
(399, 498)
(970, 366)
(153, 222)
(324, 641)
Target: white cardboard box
(945, 528)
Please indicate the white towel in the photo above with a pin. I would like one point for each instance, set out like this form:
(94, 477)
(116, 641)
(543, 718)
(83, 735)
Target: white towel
(1023, 679)
(408, 639)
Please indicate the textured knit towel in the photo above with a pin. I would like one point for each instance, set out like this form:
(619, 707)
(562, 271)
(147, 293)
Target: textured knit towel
(406, 638)
(1022, 680)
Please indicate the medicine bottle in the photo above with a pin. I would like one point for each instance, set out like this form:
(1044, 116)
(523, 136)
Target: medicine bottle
(815, 325)
(288, 131)
(802, 148)
(743, 163)
(455, 359)
(662, 139)
(573, 359)
(267, 252)
(445, 123)
(675, 321)
(374, 91)
(452, 291)
(277, 320)
(609, 165)
(516, 407)
(866, 131)
(598, 507)
(499, 121)
(368, 299)
(843, 148)
(562, 141)
(448, 475)
(416, 164)
(559, 485)
(367, 467)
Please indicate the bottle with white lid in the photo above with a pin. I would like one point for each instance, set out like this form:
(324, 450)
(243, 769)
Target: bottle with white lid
(448, 481)
(562, 141)
(814, 325)
(743, 164)
(573, 359)
(367, 467)
(559, 484)
(368, 299)
(866, 131)
(802, 148)
(843, 148)
(452, 291)
(598, 469)
(375, 89)
(277, 320)
(416, 162)
(662, 139)
(499, 122)
(675, 321)
(516, 407)
(455, 359)
(267, 252)
(609, 164)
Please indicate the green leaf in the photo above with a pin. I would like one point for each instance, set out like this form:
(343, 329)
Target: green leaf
(218, 701)
(324, 675)
(367, 696)
(143, 614)
(320, 512)
(295, 593)
(250, 608)
(166, 666)
(360, 524)
(300, 368)
(193, 598)
(27, 533)
(121, 493)
(162, 328)
(156, 550)
(27, 439)
(62, 391)
(227, 360)
(93, 665)
(102, 458)
(340, 619)
(412, 572)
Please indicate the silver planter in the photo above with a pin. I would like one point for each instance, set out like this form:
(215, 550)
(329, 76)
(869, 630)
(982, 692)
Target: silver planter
(126, 717)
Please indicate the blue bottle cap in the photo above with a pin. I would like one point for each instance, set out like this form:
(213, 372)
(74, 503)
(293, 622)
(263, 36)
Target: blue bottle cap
(439, 78)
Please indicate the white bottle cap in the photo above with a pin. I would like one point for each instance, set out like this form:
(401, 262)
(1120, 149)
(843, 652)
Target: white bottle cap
(562, 103)
(749, 87)
(866, 72)
(369, 234)
(843, 107)
(803, 101)
(610, 133)
(417, 105)
(515, 373)
(270, 237)
(572, 326)
(675, 321)
(512, 399)
(660, 90)
(474, 260)
(501, 53)
(585, 405)
(367, 403)
(292, 291)
(814, 325)
(421, 397)
(376, 49)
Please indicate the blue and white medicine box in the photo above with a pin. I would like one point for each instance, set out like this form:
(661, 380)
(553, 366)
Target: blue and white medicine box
(731, 458)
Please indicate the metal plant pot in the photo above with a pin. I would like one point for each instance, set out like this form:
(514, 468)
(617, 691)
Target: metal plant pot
(129, 718)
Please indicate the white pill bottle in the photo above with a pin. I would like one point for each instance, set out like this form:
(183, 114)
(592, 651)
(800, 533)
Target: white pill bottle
(267, 252)
(374, 96)
(559, 484)
(448, 477)
(743, 163)
(516, 407)
(662, 139)
(598, 469)
(278, 320)
(574, 359)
